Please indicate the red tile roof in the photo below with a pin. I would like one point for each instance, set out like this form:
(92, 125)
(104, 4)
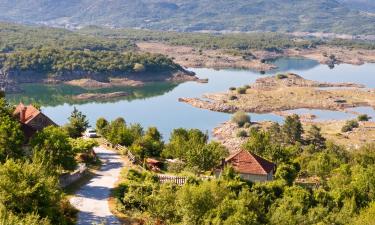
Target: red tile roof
(30, 112)
(249, 163)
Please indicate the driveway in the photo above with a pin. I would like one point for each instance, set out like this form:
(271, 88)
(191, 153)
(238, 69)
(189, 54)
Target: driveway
(92, 199)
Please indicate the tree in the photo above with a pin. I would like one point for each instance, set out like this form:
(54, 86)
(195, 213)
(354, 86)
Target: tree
(27, 188)
(11, 138)
(315, 138)
(206, 157)
(366, 216)
(53, 143)
(77, 124)
(292, 129)
(101, 125)
(287, 172)
(349, 126)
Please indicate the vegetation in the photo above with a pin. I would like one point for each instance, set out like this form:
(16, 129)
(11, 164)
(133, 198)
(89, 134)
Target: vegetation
(77, 124)
(15, 37)
(55, 61)
(252, 15)
(350, 125)
(30, 192)
(240, 118)
(193, 148)
(363, 117)
(340, 192)
(11, 136)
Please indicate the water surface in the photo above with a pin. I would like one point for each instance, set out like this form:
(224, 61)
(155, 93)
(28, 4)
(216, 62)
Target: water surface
(157, 104)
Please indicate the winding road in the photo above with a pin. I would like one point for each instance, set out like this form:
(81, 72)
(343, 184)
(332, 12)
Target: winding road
(92, 199)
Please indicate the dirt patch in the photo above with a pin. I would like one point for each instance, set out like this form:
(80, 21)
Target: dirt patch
(191, 57)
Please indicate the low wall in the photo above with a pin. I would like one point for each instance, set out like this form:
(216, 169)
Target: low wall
(69, 178)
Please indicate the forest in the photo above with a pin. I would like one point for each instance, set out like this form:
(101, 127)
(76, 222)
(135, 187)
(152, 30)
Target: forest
(53, 61)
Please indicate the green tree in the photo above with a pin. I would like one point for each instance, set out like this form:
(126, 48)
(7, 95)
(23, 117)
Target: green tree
(53, 143)
(292, 129)
(366, 216)
(77, 124)
(287, 172)
(315, 138)
(11, 138)
(101, 125)
(27, 188)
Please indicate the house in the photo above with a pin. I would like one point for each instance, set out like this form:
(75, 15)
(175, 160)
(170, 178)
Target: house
(32, 120)
(250, 166)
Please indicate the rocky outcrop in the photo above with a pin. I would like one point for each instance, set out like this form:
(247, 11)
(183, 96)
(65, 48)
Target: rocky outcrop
(100, 96)
(213, 106)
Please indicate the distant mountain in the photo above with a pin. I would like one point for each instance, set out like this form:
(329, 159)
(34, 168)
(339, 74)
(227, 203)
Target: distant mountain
(336, 16)
(363, 5)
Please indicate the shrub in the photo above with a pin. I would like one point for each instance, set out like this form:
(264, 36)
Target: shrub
(232, 88)
(281, 76)
(246, 86)
(241, 90)
(349, 126)
(138, 67)
(101, 124)
(242, 133)
(363, 117)
(247, 125)
(233, 97)
(240, 118)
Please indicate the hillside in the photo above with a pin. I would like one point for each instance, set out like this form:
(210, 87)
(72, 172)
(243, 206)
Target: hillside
(364, 5)
(182, 15)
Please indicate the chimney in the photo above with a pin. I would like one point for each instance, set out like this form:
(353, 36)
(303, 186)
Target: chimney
(23, 114)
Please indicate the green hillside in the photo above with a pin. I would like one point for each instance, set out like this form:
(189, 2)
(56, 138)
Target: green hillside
(188, 15)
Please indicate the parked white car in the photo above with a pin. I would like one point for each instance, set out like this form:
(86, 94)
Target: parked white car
(91, 133)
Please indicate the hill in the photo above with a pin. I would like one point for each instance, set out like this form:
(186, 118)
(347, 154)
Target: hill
(188, 15)
(364, 5)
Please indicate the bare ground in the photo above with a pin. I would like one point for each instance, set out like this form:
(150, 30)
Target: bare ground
(272, 94)
(191, 57)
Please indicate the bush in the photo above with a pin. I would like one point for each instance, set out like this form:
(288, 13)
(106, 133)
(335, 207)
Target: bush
(233, 97)
(138, 67)
(247, 125)
(242, 133)
(232, 88)
(241, 90)
(101, 124)
(240, 118)
(247, 86)
(349, 126)
(281, 76)
(363, 117)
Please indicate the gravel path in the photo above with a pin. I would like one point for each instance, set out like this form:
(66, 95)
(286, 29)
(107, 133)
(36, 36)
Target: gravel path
(92, 199)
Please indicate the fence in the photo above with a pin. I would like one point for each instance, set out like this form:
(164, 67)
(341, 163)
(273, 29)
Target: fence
(121, 148)
(173, 179)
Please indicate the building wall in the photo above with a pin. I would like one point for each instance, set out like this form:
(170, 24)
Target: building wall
(257, 178)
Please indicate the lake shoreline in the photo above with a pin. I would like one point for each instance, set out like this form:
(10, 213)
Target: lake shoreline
(261, 60)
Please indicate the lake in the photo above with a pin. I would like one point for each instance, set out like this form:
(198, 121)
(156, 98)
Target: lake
(157, 104)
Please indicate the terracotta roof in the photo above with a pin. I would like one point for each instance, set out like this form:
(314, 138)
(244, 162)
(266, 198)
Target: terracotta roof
(30, 112)
(250, 163)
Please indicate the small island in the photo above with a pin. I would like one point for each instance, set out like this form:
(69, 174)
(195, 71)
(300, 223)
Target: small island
(88, 69)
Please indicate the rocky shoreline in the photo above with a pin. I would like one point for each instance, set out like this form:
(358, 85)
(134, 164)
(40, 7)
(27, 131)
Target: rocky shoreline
(221, 59)
(286, 92)
(10, 80)
(100, 96)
